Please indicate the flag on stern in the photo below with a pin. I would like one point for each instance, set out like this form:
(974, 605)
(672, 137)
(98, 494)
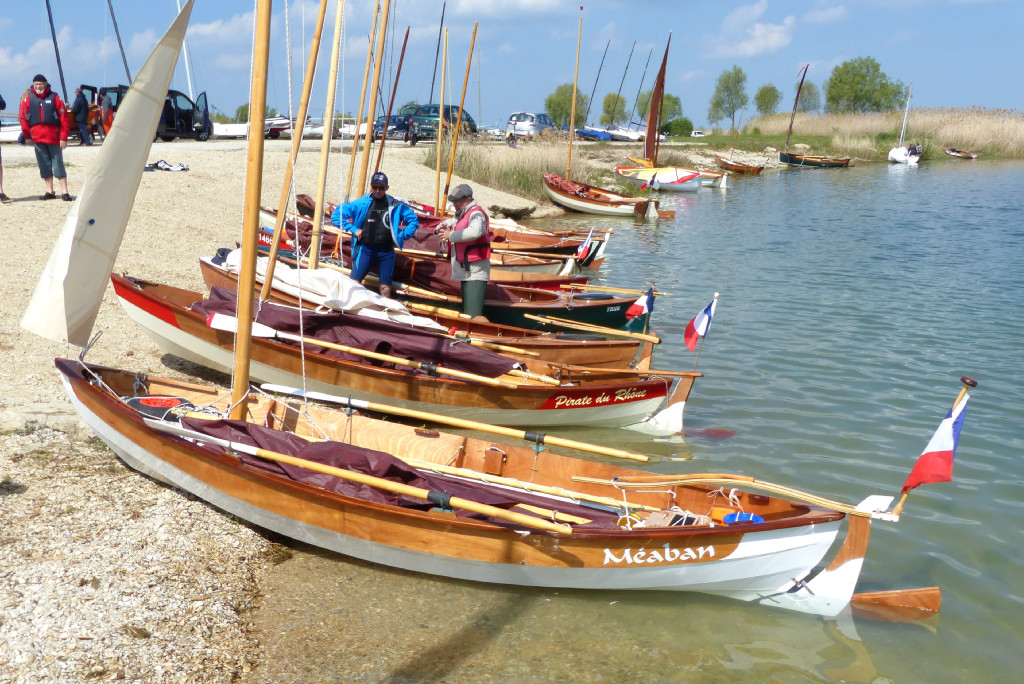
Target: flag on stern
(699, 325)
(583, 251)
(935, 464)
(644, 304)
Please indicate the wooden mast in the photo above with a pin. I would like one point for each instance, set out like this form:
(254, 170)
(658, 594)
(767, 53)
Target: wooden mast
(251, 210)
(391, 103)
(438, 200)
(572, 109)
(368, 137)
(795, 101)
(462, 101)
(362, 101)
(307, 86)
(325, 141)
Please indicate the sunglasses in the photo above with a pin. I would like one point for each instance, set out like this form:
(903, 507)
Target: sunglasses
(378, 187)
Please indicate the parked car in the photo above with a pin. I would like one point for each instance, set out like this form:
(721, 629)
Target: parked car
(528, 124)
(183, 118)
(697, 133)
(423, 123)
(397, 128)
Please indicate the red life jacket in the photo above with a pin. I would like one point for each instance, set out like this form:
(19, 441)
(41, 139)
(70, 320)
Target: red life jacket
(473, 250)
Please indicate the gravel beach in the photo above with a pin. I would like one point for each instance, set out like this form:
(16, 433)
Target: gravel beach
(105, 574)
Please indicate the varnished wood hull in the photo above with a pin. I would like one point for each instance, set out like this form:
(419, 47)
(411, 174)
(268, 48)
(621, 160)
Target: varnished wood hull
(738, 167)
(609, 401)
(813, 161)
(749, 561)
(597, 200)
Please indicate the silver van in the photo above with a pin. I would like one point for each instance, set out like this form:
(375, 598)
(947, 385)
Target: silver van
(527, 123)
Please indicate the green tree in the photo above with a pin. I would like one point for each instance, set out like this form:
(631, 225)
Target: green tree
(681, 127)
(242, 112)
(810, 98)
(613, 109)
(767, 99)
(859, 85)
(671, 106)
(730, 96)
(558, 105)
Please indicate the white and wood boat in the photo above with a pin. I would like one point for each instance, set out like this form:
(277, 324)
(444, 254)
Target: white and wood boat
(589, 199)
(733, 166)
(409, 496)
(905, 154)
(961, 154)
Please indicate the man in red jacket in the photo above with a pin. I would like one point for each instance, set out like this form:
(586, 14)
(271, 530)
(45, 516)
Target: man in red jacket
(44, 121)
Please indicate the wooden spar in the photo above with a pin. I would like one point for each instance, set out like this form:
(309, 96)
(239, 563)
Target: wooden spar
(462, 102)
(286, 189)
(362, 101)
(796, 100)
(377, 482)
(368, 136)
(251, 210)
(603, 288)
(438, 209)
(223, 322)
(325, 139)
(391, 104)
(572, 108)
(566, 323)
(536, 437)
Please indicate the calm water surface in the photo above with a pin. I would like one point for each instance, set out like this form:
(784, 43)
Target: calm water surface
(851, 303)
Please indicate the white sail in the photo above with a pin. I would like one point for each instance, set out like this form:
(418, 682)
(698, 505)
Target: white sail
(70, 290)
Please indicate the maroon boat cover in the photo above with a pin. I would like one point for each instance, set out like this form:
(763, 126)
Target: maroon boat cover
(370, 334)
(375, 463)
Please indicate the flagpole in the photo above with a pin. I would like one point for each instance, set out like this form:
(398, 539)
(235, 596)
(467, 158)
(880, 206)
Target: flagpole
(968, 382)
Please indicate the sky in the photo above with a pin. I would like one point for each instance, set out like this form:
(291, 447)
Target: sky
(957, 53)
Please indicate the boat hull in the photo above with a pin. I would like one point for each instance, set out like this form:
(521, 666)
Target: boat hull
(813, 161)
(667, 178)
(738, 167)
(596, 200)
(616, 403)
(901, 155)
(751, 564)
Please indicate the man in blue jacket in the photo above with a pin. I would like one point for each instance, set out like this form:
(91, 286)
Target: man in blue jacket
(379, 223)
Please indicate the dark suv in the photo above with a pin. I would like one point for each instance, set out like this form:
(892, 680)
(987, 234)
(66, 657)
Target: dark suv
(423, 123)
(183, 118)
(398, 128)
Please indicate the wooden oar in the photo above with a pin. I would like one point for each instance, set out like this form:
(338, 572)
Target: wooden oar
(642, 481)
(439, 498)
(436, 309)
(223, 322)
(566, 323)
(536, 437)
(627, 371)
(603, 288)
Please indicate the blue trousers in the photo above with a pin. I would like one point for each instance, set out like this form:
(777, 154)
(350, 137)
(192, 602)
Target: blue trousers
(83, 129)
(367, 257)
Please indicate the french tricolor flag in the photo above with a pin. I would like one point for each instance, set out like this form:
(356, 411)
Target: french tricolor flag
(583, 251)
(699, 325)
(935, 464)
(644, 304)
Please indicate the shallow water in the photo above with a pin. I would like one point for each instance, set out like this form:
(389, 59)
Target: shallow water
(851, 303)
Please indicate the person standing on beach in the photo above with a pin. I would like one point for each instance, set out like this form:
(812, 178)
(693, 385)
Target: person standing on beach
(3, 197)
(469, 236)
(106, 112)
(44, 121)
(80, 109)
(379, 224)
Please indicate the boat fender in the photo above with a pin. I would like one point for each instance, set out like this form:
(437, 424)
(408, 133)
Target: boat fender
(593, 296)
(442, 500)
(535, 437)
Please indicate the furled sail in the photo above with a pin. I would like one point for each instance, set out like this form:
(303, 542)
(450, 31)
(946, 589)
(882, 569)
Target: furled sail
(70, 290)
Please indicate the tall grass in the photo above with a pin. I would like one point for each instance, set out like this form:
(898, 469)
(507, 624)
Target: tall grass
(995, 132)
(519, 170)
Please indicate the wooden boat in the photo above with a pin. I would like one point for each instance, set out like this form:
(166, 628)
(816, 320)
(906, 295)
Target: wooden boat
(808, 160)
(327, 478)
(734, 166)
(902, 154)
(542, 352)
(589, 199)
(962, 154)
(176, 319)
(471, 509)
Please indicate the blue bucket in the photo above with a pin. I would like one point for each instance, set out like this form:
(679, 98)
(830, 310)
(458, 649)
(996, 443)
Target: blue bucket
(734, 518)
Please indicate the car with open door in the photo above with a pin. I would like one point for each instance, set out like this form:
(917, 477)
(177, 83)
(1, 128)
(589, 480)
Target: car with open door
(183, 118)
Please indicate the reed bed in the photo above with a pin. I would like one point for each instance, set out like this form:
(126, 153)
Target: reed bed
(994, 132)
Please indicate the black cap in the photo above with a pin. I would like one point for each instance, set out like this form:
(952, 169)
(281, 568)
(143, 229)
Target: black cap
(379, 178)
(39, 78)
(461, 191)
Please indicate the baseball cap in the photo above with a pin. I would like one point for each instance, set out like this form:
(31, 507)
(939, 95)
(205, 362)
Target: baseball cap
(379, 178)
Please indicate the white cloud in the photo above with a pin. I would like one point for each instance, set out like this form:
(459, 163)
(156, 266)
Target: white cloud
(826, 13)
(742, 33)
